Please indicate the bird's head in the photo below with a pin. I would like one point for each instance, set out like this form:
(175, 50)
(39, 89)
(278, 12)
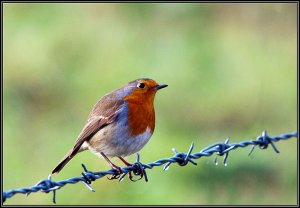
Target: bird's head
(143, 90)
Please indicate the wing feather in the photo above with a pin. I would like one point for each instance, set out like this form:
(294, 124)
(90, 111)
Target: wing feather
(97, 121)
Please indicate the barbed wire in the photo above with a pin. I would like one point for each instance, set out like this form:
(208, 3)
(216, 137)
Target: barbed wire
(138, 168)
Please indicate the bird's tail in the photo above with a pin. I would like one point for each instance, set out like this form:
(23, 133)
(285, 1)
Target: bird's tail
(63, 162)
(66, 159)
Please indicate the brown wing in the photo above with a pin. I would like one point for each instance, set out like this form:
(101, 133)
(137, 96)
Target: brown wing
(102, 115)
(94, 124)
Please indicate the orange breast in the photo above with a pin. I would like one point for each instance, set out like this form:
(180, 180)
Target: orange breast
(141, 115)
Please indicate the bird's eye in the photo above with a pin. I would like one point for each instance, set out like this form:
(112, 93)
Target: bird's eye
(141, 85)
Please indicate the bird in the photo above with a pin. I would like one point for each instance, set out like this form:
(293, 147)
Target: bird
(120, 123)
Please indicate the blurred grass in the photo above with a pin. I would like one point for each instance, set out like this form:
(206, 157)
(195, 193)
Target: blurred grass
(231, 70)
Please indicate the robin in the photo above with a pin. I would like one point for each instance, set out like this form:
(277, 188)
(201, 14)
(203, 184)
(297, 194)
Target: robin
(120, 123)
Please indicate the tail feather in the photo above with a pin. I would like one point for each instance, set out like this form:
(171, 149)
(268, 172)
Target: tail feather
(66, 159)
(62, 163)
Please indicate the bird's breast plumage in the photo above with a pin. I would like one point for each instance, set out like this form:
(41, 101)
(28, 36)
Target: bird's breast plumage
(140, 117)
(131, 130)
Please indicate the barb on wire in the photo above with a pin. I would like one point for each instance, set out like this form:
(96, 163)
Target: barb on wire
(138, 168)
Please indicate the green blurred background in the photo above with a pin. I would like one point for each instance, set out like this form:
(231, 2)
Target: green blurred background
(231, 71)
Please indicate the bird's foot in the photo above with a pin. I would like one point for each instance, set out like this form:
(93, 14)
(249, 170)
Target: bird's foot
(136, 171)
(117, 175)
(113, 166)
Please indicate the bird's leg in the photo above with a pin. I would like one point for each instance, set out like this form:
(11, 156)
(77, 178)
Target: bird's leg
(139, 172)
(124, 161)
(113, 166)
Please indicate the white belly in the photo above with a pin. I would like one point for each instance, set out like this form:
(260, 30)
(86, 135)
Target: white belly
(113, 140)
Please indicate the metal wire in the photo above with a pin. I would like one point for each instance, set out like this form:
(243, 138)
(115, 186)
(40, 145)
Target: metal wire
(138, 168)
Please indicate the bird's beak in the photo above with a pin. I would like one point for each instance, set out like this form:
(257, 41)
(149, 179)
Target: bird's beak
(158, 87)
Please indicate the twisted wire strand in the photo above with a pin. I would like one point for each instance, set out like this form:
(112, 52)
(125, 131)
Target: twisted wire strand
(182, 159)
